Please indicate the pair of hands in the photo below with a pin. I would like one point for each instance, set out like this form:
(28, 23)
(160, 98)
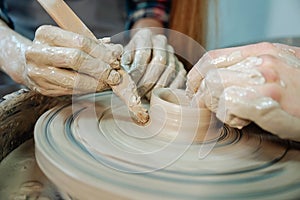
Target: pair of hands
(60, 62)
(258, 82)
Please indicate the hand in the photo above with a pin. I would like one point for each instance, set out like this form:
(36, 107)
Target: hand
(61, 62)
(258, 83)
(151, 62)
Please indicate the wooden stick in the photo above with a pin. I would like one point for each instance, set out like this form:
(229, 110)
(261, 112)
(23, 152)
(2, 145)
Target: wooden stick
(64, 16)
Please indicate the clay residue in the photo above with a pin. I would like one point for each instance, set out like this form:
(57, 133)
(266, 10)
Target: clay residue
(127, 91)
(21, 177)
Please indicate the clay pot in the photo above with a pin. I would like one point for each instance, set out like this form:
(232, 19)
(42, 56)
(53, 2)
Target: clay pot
(170, 109)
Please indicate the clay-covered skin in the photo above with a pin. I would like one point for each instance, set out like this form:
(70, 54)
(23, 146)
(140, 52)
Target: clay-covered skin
(12, 53)
(258, 83)
(151, 62)
(61, 62)
(72, 63)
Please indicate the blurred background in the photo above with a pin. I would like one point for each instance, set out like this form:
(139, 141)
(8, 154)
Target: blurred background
(237, 22)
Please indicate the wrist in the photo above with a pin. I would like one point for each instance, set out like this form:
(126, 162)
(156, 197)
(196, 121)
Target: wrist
(155, 24)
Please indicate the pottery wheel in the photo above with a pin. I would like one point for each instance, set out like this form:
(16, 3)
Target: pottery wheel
(88, 154)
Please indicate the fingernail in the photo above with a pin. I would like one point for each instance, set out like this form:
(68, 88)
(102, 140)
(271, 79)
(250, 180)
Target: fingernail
(114, 78)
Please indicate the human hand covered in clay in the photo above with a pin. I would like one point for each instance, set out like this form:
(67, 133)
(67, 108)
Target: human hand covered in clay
(61, 62)
(151, 62)
(258, 83)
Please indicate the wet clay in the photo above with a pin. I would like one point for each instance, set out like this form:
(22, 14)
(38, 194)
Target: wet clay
(79, 64)
(127, 91)
(12, 53)
(183, 121)
(21, 177)
(116, 159)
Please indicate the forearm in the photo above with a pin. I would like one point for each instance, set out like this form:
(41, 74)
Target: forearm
(12, 53)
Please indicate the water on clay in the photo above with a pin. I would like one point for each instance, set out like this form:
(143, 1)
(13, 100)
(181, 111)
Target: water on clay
(21, 178)
(88, 147)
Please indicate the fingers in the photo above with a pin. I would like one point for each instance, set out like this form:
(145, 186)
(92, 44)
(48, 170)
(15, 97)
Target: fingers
(157, 65)
(256, 70)
(111, 55)
(180, 80)
(238, 106)
(245, 73)
(229, 56)
(151, 63)
(256, 83)
(58, 56)
(259, 89)
(63, 49)
(53, 81)
(290, 53)
(74, 59)
(226, 103)
(61, 62)
(54, 36)
(137, 54)
(143, 46)
(223, 58)
(197, 73)
(128, 55)
(170, 72)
